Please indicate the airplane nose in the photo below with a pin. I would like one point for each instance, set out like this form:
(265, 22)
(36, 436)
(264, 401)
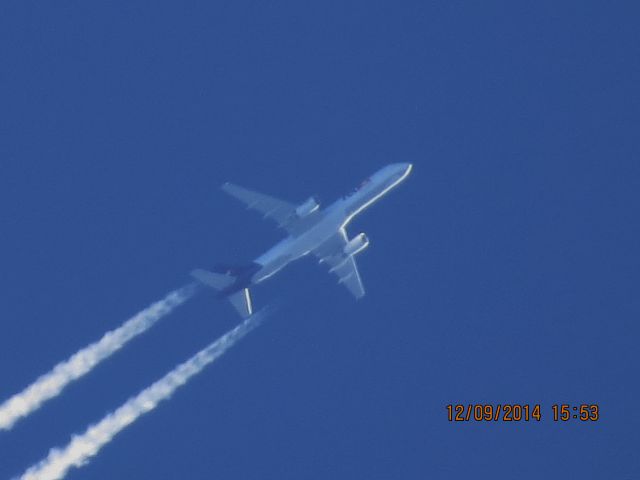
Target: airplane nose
(395, 171)
(403, 169)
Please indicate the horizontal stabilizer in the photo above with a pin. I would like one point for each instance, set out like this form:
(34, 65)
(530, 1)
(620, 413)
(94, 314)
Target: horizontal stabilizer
(241, 299)
(217, 281)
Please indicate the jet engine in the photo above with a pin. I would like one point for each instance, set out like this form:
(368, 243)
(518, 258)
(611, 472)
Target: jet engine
(307, 208)
(356, 245)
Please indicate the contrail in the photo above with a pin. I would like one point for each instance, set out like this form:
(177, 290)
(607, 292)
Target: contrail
(83, 447)
(82, 362)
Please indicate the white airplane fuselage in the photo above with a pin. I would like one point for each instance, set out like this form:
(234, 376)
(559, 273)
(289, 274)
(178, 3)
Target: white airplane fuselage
(334, 218)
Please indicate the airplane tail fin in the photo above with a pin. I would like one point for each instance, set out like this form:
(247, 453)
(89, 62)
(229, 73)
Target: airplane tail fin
(222, 282)
(241, 301)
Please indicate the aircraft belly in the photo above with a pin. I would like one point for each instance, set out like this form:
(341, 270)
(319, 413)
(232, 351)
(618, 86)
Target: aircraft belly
(290, 249)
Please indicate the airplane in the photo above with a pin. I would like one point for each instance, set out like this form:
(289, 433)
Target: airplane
(310, 230)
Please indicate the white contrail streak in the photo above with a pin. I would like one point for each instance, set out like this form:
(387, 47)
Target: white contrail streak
(82, 362)
(83, 447)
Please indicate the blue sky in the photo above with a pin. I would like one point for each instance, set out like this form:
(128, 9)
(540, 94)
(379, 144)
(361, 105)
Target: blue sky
(504, 270)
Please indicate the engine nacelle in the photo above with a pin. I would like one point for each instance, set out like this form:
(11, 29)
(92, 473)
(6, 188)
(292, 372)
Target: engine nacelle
(307, 208)
(356, 244)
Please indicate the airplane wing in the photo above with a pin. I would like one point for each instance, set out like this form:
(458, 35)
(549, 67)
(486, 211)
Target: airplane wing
(284, 213)
(344, 266)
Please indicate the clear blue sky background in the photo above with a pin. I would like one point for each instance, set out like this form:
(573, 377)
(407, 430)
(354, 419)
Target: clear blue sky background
(506, 269)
